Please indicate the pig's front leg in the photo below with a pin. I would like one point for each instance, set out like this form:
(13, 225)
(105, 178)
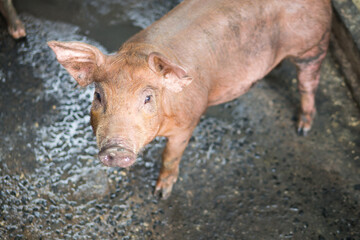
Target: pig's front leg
(170, 163)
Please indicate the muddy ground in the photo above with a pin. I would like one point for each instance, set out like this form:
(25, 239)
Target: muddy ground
(245, 174)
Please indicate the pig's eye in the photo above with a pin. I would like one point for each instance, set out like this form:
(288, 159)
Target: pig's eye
(147, 99)
(98, 96)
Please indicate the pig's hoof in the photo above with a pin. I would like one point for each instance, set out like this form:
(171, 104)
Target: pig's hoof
(302, 131)
(17, 30)
(164, 186)
(305, 122)
(163, 193)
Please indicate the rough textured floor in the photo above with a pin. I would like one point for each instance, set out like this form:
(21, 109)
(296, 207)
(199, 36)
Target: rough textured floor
(245, 174)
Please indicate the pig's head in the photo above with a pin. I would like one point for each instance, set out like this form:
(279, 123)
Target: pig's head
(130, 90)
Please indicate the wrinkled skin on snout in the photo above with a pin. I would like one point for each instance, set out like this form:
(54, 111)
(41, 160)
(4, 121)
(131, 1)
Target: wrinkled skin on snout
(202, 53)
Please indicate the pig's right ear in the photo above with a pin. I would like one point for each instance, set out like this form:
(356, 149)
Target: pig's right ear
(175, 77)
(81, 60)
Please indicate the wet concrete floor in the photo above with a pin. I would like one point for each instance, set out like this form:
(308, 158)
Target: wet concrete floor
(245, 174)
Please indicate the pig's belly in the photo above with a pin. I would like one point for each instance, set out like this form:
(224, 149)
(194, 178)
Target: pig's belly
(227, 87)
(222, 94)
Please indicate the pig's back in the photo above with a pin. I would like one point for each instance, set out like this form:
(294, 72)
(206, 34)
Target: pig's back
(230, 44)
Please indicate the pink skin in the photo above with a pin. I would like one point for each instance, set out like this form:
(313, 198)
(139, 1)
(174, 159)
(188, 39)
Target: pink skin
(200, 54)
(15, 26)
(116, 153)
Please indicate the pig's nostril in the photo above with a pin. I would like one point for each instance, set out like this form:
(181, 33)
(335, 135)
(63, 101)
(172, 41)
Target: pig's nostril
(107, 157)
(111, 156)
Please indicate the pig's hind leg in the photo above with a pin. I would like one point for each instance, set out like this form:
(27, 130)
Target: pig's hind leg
(308, 69)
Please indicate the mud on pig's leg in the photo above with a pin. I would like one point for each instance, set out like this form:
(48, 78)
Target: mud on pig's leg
(15, 26)
(308, 68)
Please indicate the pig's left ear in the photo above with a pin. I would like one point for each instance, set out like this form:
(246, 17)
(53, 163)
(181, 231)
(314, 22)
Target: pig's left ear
(175, 77)
(81, 60)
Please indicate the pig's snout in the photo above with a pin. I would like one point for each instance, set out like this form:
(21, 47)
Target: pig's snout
(117, 157)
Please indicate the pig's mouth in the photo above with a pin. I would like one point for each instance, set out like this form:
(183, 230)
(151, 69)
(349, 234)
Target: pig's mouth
(116, 156)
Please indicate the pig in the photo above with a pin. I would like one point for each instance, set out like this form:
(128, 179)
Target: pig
(200, 54)
(15, 26)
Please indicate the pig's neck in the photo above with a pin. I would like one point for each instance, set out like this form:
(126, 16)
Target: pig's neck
(182, 111)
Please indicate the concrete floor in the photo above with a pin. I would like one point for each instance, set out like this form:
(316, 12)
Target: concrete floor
(245, 174)
(357, 3)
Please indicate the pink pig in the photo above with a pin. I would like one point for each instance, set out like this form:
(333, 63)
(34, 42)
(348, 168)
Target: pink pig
(200, 54)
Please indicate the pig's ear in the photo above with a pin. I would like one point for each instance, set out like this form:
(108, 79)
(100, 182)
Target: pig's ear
(81, 60)
(175, 77)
